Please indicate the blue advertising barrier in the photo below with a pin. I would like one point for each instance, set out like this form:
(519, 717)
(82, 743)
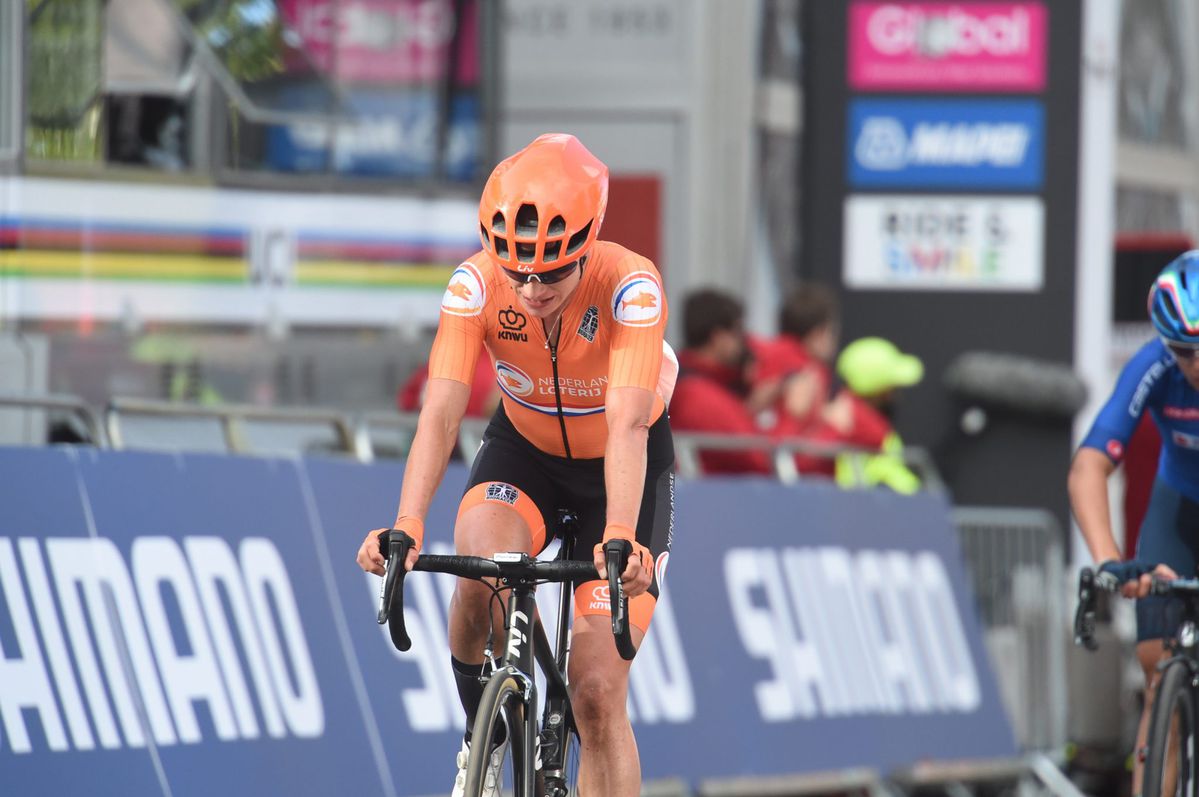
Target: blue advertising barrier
(191, 625)
(946, 143)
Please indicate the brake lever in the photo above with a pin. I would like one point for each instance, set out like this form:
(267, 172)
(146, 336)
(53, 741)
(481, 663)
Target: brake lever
(1084, 616)
(616, 557)
(394, 544)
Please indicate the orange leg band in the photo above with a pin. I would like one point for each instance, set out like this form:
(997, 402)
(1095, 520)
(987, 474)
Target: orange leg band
(504, 494)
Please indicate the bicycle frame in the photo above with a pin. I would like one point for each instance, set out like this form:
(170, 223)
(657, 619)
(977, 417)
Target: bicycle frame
(526, 642)
(556, 720)
(1179, 680)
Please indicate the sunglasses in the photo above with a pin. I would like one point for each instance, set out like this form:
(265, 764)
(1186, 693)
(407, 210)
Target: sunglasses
(545, 277)
(1186, 353)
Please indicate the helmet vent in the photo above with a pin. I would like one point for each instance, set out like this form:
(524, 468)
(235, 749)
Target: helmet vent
(483, 234)
(551, 251)
(577, 240)
(497, 223)
(1182, 278)
(1169, 309)
(526, 220)
(525, 253)
(501, 248)
(557, 226)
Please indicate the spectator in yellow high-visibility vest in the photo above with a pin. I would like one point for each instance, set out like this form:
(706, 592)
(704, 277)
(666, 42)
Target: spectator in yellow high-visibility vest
(874, 371)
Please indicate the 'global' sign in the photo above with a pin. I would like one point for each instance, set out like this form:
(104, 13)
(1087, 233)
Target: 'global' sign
(947, 46)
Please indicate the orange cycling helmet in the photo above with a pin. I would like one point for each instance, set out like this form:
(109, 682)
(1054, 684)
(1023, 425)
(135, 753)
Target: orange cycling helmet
(542, 208)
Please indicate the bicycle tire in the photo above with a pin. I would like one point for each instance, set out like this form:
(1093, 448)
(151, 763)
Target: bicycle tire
(1174, 699)
(502, 693)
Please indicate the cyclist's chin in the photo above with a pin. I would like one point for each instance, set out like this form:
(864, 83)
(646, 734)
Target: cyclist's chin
(544, 308)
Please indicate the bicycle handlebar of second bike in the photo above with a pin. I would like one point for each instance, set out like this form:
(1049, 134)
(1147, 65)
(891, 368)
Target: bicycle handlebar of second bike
(1088, 596)
(395, 545)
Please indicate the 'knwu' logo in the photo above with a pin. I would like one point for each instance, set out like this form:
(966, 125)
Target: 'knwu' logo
(512, 324)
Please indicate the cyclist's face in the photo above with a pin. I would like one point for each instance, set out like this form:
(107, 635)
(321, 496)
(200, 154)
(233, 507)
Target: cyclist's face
(1188, 362)
(545, 301)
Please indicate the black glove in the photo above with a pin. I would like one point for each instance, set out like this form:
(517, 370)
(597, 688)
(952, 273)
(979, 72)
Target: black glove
(1113, 574)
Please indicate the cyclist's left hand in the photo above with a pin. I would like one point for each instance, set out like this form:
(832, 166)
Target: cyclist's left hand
(637, 575)
(1134, 579)
(1141, 587)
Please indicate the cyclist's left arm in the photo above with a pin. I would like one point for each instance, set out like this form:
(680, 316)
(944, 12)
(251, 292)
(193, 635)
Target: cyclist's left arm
(628, 410)
(634, 373)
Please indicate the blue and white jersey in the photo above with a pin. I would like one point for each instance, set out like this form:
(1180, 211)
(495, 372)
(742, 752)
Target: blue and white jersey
(1152, 381)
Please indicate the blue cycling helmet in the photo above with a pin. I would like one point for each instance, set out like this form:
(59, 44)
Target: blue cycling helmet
(1174, 300)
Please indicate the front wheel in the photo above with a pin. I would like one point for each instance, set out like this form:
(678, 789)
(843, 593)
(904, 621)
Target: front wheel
(1170, 764)
(503, 697)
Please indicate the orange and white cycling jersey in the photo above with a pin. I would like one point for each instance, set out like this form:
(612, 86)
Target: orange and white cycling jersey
(611, 336)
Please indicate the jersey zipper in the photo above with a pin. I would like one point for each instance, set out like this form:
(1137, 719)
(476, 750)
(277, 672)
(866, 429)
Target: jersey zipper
(553, 347)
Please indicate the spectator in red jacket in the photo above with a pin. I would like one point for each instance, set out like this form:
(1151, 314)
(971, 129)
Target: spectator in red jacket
(711, 388)
(791, 374)
(484, 395)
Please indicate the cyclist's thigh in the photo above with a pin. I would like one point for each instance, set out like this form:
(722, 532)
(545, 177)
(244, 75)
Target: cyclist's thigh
(1169, 535)
(655, 530)
(507, 500)
(594, 657)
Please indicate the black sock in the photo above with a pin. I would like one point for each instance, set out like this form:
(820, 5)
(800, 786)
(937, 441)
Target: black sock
(470, 694)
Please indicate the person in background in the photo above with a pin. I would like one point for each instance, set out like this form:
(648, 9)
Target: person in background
(790, 374)
(860, 415)
(710, 393)
(484, 394)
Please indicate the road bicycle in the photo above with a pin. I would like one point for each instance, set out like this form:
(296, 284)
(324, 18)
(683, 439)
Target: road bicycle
(543, 755)
(1170, 766)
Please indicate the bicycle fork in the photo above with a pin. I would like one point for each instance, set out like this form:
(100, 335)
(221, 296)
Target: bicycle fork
(518, 664)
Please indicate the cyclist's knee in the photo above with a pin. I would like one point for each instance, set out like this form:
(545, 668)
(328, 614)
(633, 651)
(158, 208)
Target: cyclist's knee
(1149, 654)
(597, 696)
(472, 594)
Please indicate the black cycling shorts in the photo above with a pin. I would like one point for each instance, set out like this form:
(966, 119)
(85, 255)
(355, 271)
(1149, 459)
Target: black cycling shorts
(1169, 535)
(557, 483)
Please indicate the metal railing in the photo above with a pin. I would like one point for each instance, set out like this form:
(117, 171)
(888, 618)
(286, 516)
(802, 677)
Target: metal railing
(233, 420)
(1016, 563)
(372, 435)
(375, 427)
(689, 445)
(72, 405)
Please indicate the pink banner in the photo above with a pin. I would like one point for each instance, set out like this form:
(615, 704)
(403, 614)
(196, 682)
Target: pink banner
(384, 41)
(947, 46)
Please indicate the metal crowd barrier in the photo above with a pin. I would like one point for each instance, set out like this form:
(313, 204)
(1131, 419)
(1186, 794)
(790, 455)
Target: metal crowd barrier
(234, 422)
(688, 445)
(372, 435)
(1016, 562)
(61, 402)
(389, 434)
(1014, 557)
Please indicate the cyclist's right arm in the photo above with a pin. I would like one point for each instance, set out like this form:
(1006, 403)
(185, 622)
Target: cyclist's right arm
(456, 349)
(436, 436)
(1087, 485)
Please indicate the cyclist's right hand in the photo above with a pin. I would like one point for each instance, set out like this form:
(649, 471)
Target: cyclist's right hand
(370, 558)
(1133, 578)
